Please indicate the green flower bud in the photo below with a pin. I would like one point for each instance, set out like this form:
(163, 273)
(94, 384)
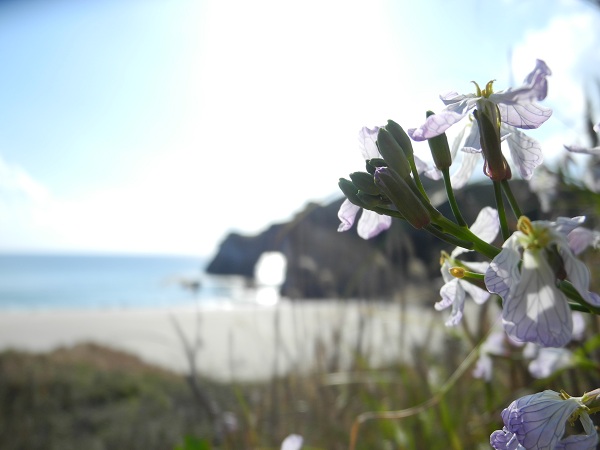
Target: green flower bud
(402, 196)
(374, 163)
(495, 166)
(392, 153)
(364, 182)
(440, 150)
(401, 137)
(350, 191)
(371, 201)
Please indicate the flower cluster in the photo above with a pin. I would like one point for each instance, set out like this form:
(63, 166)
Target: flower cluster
(536, 271)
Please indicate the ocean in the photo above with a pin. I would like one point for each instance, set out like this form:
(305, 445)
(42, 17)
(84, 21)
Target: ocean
(68, 281)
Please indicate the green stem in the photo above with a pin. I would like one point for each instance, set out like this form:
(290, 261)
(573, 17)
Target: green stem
(511, 199)
(417, 178)
(501, 211)
(465, 234)
(449, 238)
(452, 199)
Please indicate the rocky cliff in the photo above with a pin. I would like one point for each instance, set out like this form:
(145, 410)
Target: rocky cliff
(323, 263)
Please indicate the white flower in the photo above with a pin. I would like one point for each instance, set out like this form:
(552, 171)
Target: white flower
(517, 107)
(370, 223)
(538, 422)
(534, 309)
(454, 291)
(292, 442)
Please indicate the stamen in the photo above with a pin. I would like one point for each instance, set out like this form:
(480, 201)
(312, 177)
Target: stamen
(524, 225)
(564, 395)
(478, 93)
(489, 90)
(457, 272)
(444, 256)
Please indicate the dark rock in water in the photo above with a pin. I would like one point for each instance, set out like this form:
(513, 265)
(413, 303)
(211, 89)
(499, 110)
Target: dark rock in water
(323, 263)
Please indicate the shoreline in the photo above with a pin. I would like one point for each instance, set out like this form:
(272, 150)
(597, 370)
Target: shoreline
(237, 342)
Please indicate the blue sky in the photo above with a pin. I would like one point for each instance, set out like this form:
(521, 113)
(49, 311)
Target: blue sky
(159, 126)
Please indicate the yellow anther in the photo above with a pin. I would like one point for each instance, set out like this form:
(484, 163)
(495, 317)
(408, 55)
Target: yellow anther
(525, 226)
(457, 272)
(444, 256)
(564, 395)
(489, 90)
(478, 92)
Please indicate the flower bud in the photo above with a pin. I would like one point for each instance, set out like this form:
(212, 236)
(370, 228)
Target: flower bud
(402, 196)
(392, 153)
(374, 163)
(495, 166)
(371, 201)
(350, 191)
(440, 150)
(364, 182)
(401, 137)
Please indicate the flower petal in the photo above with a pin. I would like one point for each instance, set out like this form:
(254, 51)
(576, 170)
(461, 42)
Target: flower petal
(585, 150)
(550, 360)
(366, 142)
(347, 215)
(587, 441)
(539, 420)
(536, 81)
(565, 225)
(525, 152)
(521, 115)
(581, 238)
(505, 440)
(460, 178)
(487, 224)
(436, 124)
(578, 274)
(452, 294)
(535, 310)
(478, 295)
(292, 442)
(504, 269)
(371, 224)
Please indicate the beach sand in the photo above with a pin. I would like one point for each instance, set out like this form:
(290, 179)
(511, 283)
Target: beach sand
(240, 343)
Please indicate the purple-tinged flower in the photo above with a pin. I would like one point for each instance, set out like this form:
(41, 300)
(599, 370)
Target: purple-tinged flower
(454, 291)
(525, 275)
(525, 152)
(517, 107)
(370, 223)
(292, 442)
(505, 440)
(586, 150)
(538, 422)
(546, 361)
(494, 345)
(581, 238)
(549, 360)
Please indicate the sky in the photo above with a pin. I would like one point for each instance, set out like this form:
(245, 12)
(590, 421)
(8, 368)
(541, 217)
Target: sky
(159, 126)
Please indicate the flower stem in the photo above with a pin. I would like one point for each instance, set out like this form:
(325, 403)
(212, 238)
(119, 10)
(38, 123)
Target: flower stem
(416, 177)
(452, 199)
(480, 246)
(501, 211)
(511, 199)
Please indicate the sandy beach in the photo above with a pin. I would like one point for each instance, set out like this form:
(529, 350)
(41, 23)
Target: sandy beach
(241, 343)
